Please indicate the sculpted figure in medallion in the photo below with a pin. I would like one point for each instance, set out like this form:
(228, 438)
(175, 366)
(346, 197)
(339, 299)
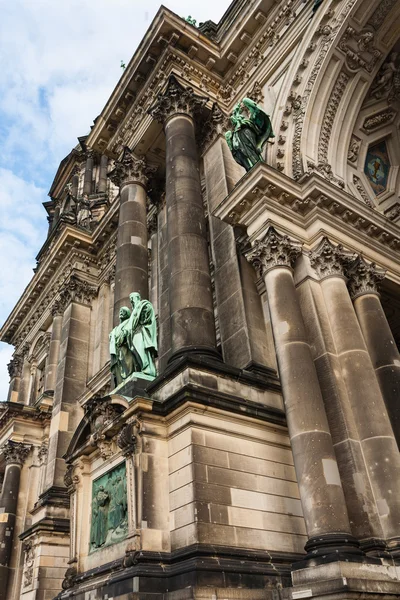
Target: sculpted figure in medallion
(133, 343)
(251, 130)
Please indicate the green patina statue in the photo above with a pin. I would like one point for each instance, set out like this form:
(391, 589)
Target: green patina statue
(251, 130)
(133, 342)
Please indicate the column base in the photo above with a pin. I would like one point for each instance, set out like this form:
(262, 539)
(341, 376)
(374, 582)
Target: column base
(375, 547)
(210, 353)
(324, 549)
(343, 580)
(393, 547)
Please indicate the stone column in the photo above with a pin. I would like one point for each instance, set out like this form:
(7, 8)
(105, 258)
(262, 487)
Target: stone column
(364, 280)
(88, 177)
(102, 188)
(25, 376)
(75, 300)
(190, 293)
(54, 350)
(321, 492)
(374, 429)
(131, 271)
(75, 182)
(15, 455)
(15, 372)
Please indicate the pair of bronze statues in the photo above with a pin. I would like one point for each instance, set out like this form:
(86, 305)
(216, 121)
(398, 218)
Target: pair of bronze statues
(133, 342)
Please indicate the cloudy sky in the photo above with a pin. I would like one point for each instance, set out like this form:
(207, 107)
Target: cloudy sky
(59, 62)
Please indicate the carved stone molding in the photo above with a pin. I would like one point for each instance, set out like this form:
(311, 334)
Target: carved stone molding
(15, 366)
(29, 551)
(381, 118)
(328, 260)
(364, 277)
(130, 169)
(15, 452)
(176, 99)
(42, 453)
(362, 191)
(393, 212)
(127, 439)
(329, 116)
(354, 149)
(324, 169)
(274, 250)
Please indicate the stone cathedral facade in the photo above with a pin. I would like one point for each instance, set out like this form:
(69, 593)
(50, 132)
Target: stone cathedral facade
(263, 459)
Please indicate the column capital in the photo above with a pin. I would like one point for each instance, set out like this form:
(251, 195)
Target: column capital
(75, 290)
(176, 99)
(364, 277)
(328, 260)
(130, 169)
(215, 125)
(15, 366)
(15, 452)
(273, 250)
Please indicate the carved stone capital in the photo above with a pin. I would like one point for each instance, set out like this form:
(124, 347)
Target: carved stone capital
(76, 290)
(127, 439)
(328, 260)
(274, 250)
(130, 169)
(364, 277)
(176, 99)
(216, 124)
(15, 366)
(15, 452)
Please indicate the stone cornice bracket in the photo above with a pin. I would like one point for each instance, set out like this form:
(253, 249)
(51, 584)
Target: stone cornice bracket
(15, 366)
(273, 250)
(176, 99)
(364, 277)
(131, 169)
(329, 260)
(15, 452)
(76, 290)
(127, 439)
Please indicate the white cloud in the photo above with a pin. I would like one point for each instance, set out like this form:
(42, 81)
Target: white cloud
(59, 62)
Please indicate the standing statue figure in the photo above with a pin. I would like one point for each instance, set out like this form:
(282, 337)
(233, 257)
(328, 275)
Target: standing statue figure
(251, 130)
(133, 343)
(84, 213)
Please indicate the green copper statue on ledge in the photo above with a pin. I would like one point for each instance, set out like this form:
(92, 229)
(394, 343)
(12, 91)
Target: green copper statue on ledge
(133, 343)
(251, 130)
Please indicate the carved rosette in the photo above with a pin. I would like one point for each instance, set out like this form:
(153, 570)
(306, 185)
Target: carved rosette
(328, 260)
(274, 250)
(127, 439)
(364, 277)
(131, 169)
(15, 452)
(15, 366)
(176, 100)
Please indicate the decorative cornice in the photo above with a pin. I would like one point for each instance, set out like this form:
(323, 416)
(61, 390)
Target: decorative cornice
(327, 259)
(364, 277)
(15, 453)
(130, 169)
(274, 250)
(176, 99)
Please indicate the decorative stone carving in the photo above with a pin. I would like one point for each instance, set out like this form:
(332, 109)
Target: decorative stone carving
(380, 13)
(393, 212)
(383, 117)
(42, 453)
(328, 259)
(361, 190)
(76, 290)
(131, 169)
(274, 250)
(127, 439)
(176, 99)
(329, 117)
(29, 550)
(354, 149)
(324, 169)
(359, 49)
(256, 93)
(15, 366)
(364, 277)
(387, 81)
(100, 412)
(15, 452)
(216, 124)
(69, 578)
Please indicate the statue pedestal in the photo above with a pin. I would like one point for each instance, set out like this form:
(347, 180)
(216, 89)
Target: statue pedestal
(134, 385)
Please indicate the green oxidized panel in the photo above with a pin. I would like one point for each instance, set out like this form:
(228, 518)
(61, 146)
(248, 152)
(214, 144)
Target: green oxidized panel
(109, 509)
